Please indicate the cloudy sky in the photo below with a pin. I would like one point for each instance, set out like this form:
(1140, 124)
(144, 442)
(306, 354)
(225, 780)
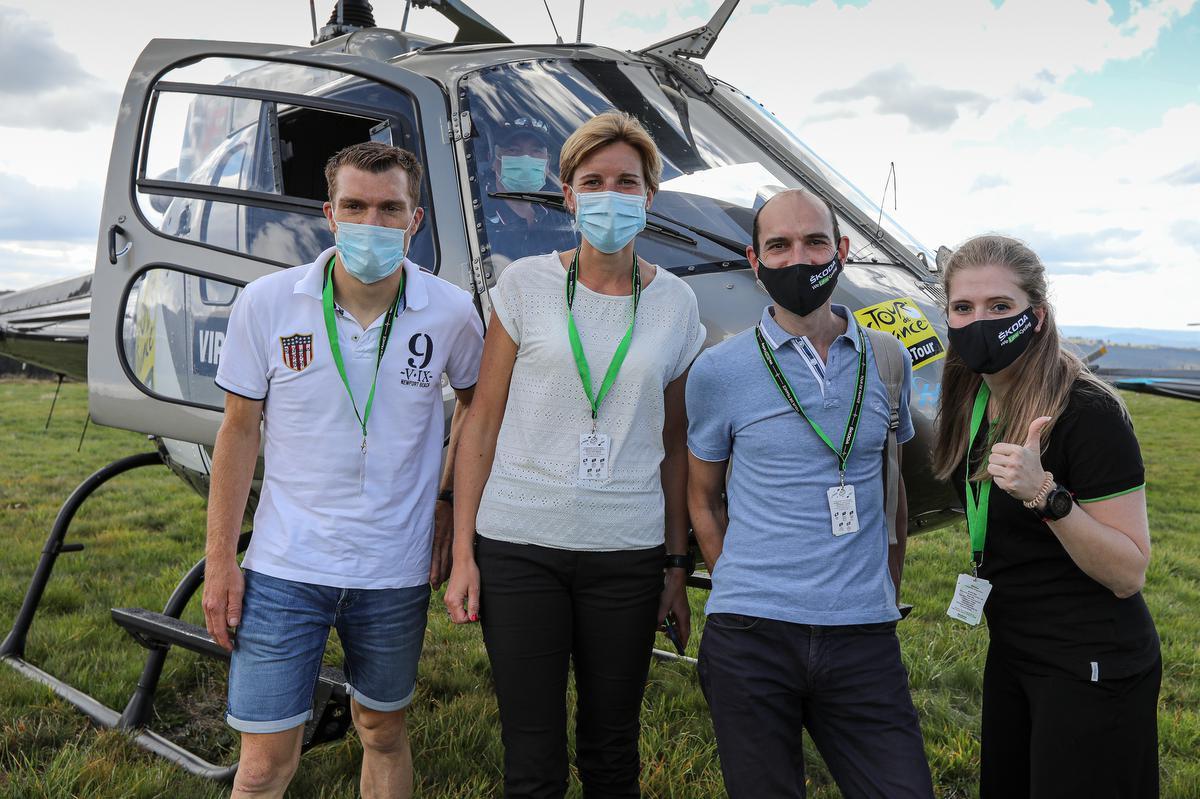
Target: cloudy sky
(1070, 123)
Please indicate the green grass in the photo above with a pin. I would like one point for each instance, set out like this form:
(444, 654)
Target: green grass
(145, 529)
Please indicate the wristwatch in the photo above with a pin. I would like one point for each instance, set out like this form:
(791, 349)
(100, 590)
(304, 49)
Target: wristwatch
(686, 562)
(1058, 504)
(446, 496)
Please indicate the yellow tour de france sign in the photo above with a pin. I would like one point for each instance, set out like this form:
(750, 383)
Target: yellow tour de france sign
(903, 319)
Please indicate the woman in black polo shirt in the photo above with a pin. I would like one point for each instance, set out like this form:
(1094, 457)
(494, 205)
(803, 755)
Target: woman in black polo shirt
(1070, 689)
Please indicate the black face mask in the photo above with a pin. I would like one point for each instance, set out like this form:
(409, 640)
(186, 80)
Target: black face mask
(989, 345)
(801, 288)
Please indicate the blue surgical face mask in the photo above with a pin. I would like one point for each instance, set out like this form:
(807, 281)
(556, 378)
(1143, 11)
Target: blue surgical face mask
(522, 172)
(370, 253)
(609, 219)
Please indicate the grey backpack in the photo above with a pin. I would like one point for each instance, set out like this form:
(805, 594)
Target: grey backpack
(889, 361)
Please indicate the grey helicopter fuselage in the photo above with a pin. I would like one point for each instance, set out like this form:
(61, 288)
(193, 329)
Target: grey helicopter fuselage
(215, 179)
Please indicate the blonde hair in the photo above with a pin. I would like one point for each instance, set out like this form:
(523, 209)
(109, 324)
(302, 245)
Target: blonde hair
(605, 129)
(1045, 373)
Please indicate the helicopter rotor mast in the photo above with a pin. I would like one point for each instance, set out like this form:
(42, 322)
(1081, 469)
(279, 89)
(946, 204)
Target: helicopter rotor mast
(696, 43)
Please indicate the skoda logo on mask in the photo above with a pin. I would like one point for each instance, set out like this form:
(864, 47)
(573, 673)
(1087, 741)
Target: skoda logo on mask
(989, 345)
(800, 288)
(1012, 333)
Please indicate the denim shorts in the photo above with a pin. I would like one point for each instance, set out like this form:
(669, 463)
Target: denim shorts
(281, 640)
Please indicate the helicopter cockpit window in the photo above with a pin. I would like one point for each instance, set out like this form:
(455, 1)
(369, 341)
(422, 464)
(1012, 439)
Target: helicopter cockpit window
(173, 329)
(714, 174)
(234, 154)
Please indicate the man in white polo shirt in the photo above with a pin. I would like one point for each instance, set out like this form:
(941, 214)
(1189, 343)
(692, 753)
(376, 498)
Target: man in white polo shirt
(341, 361)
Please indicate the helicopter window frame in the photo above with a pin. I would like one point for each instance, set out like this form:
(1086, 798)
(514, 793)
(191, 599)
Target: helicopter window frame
(272, 99)
(122, 356)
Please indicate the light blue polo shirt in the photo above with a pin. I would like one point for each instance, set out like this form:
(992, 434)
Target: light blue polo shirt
(781, 559)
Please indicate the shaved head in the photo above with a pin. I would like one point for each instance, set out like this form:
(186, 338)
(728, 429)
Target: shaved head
(789, 202)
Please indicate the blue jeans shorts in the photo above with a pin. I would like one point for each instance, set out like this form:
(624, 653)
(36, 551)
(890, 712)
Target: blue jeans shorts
(281, 640)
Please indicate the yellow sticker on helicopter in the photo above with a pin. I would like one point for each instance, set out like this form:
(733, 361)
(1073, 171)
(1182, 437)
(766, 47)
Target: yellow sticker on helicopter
(903, 319)
(145, 341)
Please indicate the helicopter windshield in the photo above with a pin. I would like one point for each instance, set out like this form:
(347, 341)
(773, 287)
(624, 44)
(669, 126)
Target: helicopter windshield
(714, 175)
(838, 181)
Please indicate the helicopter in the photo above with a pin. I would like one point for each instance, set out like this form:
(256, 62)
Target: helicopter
(216, 178)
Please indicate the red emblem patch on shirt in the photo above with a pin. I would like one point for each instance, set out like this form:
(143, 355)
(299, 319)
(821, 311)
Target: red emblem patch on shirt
(297, 350)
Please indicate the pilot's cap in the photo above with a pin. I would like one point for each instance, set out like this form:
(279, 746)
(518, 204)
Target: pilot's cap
(523, 126)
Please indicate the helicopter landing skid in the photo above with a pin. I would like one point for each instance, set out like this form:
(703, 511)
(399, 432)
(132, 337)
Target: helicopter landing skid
(158, 632)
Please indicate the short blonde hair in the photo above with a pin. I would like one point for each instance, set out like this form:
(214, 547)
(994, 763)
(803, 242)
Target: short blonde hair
(605, 129)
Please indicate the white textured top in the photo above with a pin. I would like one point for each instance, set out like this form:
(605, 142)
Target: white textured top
(533, 495)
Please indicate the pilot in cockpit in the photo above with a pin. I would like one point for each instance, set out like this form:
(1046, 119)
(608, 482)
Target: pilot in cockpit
(520, 153)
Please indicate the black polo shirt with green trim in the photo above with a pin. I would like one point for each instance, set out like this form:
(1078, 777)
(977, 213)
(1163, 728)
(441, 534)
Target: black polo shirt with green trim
(1044, 612)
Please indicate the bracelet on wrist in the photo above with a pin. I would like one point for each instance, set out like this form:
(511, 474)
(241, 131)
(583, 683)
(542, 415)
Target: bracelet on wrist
(1040, 497)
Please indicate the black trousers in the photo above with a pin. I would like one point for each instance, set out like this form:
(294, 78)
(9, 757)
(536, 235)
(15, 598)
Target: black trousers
(543, 608)
(1060, 738)
(765, 679)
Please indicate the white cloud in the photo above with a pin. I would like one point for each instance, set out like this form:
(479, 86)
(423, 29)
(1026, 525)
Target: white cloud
(31, 263)
(42, 213)
(927, 107)
(41, 84)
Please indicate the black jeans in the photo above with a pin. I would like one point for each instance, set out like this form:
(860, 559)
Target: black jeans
(542, 608)
(1062, 738)
(765, 679)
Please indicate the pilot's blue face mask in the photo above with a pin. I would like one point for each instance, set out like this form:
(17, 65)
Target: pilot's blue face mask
(609, 219)
(523, 172)
(371, 253)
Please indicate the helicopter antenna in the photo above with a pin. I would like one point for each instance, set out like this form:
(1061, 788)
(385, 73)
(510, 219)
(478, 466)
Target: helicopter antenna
(579, 30)
(557, 36)
(891, 178)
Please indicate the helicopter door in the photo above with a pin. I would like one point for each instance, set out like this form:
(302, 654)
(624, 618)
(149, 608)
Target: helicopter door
(216, 178)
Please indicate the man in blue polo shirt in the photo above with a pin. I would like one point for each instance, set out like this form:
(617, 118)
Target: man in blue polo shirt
(802, 615)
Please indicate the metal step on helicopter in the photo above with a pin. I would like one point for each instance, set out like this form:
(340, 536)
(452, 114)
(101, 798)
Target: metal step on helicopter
(215, 179)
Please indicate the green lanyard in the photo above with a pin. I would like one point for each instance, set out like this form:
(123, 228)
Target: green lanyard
(977, 508)
(336, 349)
(581, 363)
(785, 388)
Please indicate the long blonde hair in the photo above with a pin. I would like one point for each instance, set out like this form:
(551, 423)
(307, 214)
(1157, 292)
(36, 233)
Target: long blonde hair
(1045, 373)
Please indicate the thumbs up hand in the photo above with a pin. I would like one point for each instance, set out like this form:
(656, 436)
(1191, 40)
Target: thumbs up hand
(1017, 470)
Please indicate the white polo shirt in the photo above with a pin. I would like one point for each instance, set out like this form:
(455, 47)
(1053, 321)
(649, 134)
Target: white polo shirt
(329, 514)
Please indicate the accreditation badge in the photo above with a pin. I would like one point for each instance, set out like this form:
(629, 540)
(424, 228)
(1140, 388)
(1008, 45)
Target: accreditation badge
(969, 597)
(843, 512)
(593, 457)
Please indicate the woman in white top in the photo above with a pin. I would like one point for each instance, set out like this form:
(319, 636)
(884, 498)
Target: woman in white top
(571, 475)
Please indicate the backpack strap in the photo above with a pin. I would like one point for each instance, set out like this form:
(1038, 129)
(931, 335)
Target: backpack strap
(891, 370)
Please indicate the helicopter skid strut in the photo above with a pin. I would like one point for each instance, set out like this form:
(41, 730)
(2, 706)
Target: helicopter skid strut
(158, 632)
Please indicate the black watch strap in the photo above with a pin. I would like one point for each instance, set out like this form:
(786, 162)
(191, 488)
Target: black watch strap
(1059, 503)
(686, 562)
(446, 496)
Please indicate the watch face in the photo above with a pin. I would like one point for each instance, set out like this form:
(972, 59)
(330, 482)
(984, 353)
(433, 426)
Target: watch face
(1059, 503)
